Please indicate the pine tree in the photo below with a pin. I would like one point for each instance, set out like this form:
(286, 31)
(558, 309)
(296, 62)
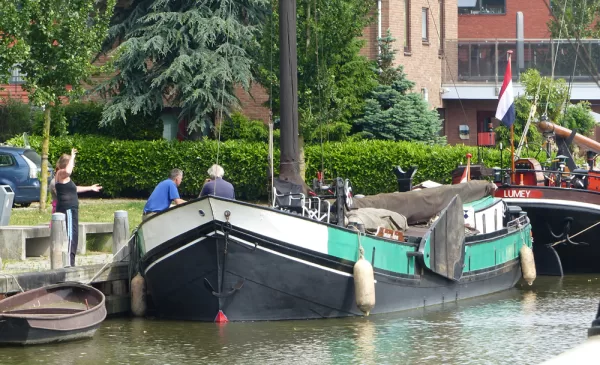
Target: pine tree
(184, 54)
(394, 112)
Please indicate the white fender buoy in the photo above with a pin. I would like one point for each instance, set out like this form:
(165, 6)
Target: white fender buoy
(527, 264)
(138, 296)
(364, 284)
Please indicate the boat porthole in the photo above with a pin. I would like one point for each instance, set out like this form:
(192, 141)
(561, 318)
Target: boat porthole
(201, 212)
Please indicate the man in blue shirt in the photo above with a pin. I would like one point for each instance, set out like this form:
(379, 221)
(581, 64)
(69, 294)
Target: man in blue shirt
(164, 194)
(216, 185)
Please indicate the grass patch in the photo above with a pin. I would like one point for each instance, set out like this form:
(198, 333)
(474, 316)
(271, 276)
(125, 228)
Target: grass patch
(90, 210)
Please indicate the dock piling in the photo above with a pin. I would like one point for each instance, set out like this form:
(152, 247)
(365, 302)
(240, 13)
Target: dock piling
(120, 235)
(58, 242)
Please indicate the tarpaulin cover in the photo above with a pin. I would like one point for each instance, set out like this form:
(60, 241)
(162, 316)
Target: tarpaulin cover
(421, 205)
(373, 218)
(446, 240)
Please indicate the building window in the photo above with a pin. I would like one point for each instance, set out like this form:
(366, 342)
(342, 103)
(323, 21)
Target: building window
(424, 25)
(442, 116)
(16, 77)
(482, 6)
(406, 26)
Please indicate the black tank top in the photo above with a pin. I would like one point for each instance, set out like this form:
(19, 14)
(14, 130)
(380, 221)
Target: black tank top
(66, 195)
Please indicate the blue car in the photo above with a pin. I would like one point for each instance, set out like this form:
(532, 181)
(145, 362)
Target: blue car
(20, 168)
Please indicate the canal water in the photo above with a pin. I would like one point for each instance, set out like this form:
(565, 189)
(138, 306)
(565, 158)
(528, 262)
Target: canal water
(525, 325)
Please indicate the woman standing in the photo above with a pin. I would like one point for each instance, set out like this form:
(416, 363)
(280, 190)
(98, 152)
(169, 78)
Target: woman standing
(67, 200)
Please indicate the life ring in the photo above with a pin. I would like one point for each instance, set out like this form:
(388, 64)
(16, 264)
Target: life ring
(348, 194)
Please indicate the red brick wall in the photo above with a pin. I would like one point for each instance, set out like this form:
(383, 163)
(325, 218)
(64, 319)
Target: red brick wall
(13, 92)
(253, 103)
(370, 35)
(423, 64)
(455, 116)
(490, 26)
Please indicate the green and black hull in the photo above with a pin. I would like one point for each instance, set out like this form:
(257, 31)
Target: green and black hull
(263, 264)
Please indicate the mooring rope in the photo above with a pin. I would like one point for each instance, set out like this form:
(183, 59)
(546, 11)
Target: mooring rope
(575, 235)
(15, 279)
(223, 91)
(111, 261)
(361, 250)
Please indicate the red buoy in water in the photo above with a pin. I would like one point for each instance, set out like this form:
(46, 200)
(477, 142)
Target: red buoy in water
(221, 317)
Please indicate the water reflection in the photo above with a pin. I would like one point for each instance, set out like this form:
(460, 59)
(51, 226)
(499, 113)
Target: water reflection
(525, 325)
(365, 342)
(528, 302)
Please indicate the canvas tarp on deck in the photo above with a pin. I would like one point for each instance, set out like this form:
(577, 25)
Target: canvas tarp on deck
(420, 206)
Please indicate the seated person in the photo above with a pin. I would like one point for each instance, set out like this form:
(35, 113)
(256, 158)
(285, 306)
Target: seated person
(216, 185)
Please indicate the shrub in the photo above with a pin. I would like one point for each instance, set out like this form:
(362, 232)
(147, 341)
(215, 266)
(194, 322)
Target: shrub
(58, 122)
(133, 168)
(84, 118)
(15, 118)
(238, 126)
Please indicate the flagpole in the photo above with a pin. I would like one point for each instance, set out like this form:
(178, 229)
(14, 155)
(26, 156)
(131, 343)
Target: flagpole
(512, 136)
(512, 151)
(469, 166)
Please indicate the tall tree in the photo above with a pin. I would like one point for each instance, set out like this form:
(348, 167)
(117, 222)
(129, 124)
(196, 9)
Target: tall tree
(12, 52)
(333, 78)
(575, 19)
(60, 39)
(186, 54)
(554, 101)
(392, 110)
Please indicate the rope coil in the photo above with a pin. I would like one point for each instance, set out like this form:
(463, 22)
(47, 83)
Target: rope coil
(575, 235)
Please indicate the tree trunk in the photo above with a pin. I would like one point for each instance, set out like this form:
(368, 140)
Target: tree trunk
(45, 147)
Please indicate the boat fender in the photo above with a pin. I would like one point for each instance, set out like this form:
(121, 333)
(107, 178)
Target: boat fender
(527, 264)
(364, 284)
(138, 296)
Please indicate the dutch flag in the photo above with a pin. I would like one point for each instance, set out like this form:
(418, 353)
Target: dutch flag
(506, 104)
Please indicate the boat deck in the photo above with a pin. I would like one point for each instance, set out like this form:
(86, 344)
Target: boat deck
(416, 231)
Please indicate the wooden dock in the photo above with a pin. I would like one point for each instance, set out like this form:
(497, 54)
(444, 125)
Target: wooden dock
(111, 277)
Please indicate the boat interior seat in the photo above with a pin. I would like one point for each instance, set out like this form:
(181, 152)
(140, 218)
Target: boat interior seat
(312, 207)
(288, 200)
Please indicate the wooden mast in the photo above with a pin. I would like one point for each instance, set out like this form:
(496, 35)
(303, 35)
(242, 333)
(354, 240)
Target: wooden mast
(289, 166)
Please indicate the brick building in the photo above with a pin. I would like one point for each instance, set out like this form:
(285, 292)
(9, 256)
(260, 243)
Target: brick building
(477, 59)
(455, 52)
(420, 28)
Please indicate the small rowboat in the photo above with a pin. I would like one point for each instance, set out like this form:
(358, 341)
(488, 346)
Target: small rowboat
(60, 312)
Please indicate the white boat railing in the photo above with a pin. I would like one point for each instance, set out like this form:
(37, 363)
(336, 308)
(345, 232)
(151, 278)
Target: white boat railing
(298, 203)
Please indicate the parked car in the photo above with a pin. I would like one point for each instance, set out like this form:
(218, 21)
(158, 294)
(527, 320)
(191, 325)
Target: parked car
(20, 168)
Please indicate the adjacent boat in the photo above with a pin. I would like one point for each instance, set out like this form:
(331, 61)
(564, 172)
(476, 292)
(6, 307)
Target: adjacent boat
(562, 202)
(54, 313)
(251, 262)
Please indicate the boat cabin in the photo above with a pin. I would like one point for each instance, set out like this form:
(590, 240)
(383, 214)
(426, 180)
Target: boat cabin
(528, 171)
(593, 180)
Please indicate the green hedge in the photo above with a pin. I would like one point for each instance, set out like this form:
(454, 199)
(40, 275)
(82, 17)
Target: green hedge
(133, 168)
(84, 118)
(15, 118)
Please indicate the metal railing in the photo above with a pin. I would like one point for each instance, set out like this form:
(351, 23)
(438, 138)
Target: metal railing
(484, 61)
